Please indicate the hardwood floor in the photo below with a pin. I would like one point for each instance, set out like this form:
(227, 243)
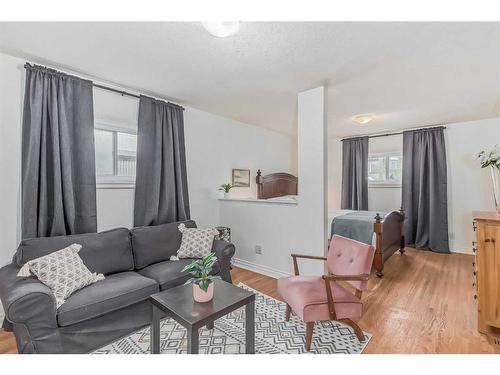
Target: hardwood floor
(424, 304)
(7, 343)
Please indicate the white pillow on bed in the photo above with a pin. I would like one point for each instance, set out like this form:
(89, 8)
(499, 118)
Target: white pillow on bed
(284, 198)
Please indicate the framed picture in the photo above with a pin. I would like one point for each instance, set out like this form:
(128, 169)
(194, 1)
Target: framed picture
(241, 177)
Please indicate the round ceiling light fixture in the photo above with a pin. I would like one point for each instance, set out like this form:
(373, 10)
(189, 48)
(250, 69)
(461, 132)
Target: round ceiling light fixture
(221, 29)
(363, 119)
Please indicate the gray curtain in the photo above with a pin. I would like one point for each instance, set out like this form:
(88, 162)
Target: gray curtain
(161, 192)
(58, 158)
(424, 189)
(355, 173)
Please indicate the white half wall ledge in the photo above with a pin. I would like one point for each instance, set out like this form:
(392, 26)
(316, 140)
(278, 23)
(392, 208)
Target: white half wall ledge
(254, 200)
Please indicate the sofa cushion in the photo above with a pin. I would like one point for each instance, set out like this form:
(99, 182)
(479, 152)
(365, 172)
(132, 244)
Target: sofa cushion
(169, 273)
(115, 292)
(307, 297)
(106, 252)
(156, 243)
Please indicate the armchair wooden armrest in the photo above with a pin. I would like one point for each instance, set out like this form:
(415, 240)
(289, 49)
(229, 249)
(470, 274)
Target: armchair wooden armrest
(296, 265)
(329, 294)
(362, 277)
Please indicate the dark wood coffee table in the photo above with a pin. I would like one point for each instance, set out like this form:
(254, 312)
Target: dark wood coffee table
(178, 304)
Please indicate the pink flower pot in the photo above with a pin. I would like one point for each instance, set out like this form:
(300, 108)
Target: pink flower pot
(201, 296)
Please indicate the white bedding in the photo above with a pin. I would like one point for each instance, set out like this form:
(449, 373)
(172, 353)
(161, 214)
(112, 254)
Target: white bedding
(284, 198)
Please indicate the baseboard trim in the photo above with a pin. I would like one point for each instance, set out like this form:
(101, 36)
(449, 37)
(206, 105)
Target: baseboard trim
(259, 268)
(468, 252)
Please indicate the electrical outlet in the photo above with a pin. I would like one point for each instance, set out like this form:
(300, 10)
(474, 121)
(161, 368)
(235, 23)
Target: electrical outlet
(258, 249)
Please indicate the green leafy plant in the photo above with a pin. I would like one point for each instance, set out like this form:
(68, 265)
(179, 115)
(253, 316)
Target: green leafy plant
(490, 158)
(226, 187)
(200, 270)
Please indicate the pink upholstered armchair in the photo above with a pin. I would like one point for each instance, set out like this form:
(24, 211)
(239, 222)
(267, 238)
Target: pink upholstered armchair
(316, 298)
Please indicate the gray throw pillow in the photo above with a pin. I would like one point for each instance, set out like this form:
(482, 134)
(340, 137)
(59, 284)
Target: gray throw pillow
(63, 271)
(196, 242)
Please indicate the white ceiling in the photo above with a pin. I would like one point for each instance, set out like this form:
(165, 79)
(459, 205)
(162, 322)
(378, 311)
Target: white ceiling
(407, 74)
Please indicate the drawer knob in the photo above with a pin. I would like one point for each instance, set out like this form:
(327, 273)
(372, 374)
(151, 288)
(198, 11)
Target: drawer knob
(474, 273)
(475, 296)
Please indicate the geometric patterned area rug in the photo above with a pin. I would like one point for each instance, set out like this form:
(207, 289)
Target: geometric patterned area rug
(273, 335)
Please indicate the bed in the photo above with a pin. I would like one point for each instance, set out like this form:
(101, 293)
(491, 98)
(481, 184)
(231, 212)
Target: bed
(383, 230)
(276, 185)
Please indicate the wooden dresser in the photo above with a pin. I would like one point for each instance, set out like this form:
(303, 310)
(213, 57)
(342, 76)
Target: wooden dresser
(487, 272)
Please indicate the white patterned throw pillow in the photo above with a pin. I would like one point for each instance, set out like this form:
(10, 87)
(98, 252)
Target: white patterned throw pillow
(196, 242)
(63, 271)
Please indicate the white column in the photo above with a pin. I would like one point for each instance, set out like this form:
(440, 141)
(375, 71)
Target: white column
(312, 168)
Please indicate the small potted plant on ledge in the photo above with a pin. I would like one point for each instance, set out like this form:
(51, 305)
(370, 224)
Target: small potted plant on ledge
(203, 282)
(225, 188)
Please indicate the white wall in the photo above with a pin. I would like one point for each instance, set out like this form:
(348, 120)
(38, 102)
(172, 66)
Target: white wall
(334, 173)
(469, 186)
(214, 145)
(283, 229)
(383, 199)
(11, 96)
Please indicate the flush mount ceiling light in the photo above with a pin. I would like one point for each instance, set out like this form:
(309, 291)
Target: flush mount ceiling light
(221, 29)
(363, 119)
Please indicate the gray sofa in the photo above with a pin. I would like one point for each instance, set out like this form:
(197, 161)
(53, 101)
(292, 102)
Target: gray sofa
(135, 264)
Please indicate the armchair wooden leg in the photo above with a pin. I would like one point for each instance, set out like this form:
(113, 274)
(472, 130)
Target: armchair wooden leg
(357, 330)
(288, 312)
(309, 334)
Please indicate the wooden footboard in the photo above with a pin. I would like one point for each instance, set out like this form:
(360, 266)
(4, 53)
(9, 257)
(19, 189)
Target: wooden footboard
(389, 238)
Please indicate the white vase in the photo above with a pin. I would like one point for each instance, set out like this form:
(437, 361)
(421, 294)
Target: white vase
(495, 179)
(227, 195)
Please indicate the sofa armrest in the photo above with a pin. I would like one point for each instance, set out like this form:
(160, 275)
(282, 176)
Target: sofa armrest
(29, 304)
(224, 251)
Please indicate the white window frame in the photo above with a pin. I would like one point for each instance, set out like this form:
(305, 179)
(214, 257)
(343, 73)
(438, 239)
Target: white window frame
(113, 181)
(386, 183)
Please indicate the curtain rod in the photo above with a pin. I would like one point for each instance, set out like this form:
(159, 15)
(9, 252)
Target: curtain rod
(396, 133)
(121, 92)
(126, 93)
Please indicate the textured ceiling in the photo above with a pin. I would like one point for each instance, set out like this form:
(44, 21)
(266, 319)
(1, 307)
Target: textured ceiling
(407, 74)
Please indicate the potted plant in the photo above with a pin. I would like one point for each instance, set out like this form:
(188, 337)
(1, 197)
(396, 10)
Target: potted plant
(203, 282)
(225, 188)
(491, 159)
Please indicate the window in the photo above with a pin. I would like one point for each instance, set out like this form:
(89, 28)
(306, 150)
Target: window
(385, 170)
(115, 155)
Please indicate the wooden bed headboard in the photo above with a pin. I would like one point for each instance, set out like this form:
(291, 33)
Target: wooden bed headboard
(275, 185)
